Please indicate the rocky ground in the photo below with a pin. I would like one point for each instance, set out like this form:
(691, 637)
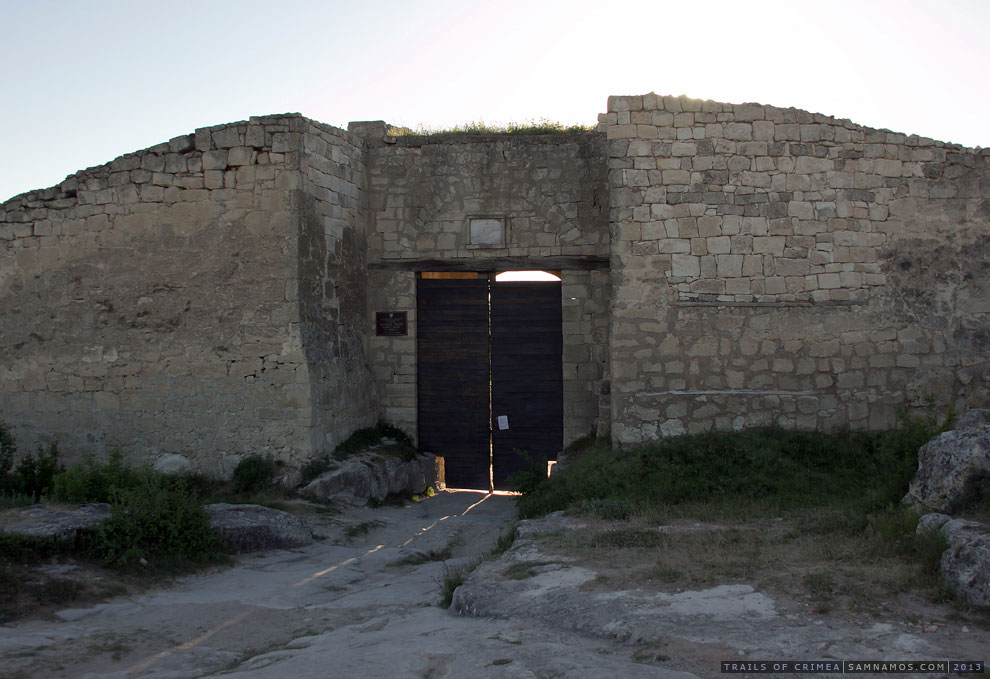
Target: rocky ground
(361, 601)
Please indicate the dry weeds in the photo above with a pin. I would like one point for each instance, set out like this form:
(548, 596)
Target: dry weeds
(830, 571)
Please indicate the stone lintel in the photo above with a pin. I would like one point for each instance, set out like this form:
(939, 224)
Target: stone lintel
(560, 263)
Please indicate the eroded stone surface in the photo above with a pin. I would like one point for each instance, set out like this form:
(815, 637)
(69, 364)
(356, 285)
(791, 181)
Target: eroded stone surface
(172, 463)
(965, 564)
(249, 528)
(377, 476)
(53, 520)
(948, 467)
(364, 606)
(976, 417)
(727, 622)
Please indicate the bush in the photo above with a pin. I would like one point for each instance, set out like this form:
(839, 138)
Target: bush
(154, 527)
(362, 439)
(10, 499)
(253, 473)
(23, 549)
(8, 446)
(34, 473)
(531, 478)
(91, 481)
(899, 448)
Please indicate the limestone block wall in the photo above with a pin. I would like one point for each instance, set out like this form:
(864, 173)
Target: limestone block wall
(778, 266)
(585, 300)
(332, 284)
(550, 190)
(393, 359)
(154, 303)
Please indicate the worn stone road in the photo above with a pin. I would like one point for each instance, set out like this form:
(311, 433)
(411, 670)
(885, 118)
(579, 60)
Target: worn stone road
(342, 607)
(362, 602)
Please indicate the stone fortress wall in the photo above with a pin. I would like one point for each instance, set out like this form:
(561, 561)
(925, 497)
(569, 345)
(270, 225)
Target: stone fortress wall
(551, 192)
(723, 266)
(177, 301)
(775, 266)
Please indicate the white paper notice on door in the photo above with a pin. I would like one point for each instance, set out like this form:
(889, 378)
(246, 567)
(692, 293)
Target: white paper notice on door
(503, 422)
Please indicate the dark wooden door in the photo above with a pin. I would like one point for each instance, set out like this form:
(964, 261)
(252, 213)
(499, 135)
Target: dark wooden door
(454, 377)
(527, 376)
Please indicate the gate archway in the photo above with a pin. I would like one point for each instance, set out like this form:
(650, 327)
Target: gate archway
(490, 378)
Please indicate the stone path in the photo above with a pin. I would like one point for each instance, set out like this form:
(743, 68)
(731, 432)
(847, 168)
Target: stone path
(339, 607)
(365, 605)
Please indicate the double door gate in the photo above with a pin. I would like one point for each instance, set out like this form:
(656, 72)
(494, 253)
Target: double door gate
(489, 377)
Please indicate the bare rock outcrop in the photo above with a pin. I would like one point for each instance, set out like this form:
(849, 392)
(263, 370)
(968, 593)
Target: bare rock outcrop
(965, 565)
(249, 528)
(377, 476)
(951, 466)
(975, 417)
(53, 521)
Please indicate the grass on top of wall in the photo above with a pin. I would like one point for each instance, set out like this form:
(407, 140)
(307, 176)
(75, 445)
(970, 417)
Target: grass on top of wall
(542, 126)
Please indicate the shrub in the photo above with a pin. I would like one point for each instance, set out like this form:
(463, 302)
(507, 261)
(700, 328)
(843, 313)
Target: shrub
(92, 481)
(370, 437)
(34, 473)
(22, 549)
(8, 446)
(154, 527)
(10, 499)
(531, 478)
(253, 473)
(898, 448)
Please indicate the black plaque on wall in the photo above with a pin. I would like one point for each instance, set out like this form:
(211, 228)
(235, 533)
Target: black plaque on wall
(390, 323)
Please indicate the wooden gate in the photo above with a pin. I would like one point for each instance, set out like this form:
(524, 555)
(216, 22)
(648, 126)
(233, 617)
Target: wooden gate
(454, 375)
(487, 351)
(527, 376)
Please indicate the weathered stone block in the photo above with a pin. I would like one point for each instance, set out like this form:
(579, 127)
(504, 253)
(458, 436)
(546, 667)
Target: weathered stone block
(685, 266)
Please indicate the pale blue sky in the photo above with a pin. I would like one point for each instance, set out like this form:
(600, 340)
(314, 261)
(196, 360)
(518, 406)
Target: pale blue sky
(84, 82)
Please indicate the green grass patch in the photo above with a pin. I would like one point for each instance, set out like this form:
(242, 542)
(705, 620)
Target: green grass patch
(9, 500)
(504, 543)
(826, 504)
(451, 578)
(768, 470)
